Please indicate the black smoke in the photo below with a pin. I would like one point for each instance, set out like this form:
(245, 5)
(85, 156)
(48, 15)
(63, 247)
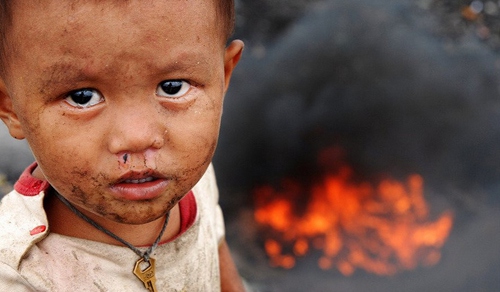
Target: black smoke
(402, 87)
(391, 82)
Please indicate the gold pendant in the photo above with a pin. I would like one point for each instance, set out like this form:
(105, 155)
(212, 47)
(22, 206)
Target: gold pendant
(146, 275)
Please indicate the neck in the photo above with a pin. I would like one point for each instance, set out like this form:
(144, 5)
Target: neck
(65, 222)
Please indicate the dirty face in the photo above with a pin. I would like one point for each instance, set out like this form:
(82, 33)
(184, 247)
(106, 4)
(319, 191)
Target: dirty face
(120, 101)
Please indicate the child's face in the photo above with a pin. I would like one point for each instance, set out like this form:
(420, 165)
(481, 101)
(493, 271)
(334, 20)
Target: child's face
(120, 101)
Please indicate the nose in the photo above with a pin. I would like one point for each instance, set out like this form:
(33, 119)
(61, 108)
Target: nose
(136, 129)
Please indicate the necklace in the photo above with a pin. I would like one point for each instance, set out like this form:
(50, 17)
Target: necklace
(146, 275)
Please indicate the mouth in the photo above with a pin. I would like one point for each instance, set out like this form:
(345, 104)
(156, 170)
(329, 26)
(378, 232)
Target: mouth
(137, 186)
(139, 177)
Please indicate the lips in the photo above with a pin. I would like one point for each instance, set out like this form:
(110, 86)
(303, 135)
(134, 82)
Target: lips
(137, 186)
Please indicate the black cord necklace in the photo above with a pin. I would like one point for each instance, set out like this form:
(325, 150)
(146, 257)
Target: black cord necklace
(147, 275)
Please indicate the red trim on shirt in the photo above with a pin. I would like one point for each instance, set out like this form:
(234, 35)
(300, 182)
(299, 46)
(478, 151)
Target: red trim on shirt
(187, 210)
(28, 185)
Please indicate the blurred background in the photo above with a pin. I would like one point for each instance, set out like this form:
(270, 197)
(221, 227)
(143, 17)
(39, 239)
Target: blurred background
(358, 149)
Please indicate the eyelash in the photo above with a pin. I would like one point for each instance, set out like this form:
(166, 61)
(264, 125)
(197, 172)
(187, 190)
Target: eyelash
(83, 98)
(174, 89)
(86, 97)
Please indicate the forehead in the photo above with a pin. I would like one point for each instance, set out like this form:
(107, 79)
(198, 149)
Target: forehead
(44, 8)
(65, 17)
(80, 33)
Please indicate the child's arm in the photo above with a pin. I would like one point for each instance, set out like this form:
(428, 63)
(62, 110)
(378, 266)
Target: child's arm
(230, 279)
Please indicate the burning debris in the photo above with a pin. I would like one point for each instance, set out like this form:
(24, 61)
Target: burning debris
(381, 229)
(410, 90)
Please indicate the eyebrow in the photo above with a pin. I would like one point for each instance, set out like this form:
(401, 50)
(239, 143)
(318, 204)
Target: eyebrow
(62, 73)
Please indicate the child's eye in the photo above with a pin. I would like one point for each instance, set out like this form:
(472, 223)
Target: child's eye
(172, 88)
(84, 98)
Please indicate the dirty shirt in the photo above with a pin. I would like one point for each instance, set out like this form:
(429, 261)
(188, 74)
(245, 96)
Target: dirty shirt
(33, 259)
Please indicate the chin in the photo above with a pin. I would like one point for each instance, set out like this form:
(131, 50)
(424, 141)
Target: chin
(135, 219)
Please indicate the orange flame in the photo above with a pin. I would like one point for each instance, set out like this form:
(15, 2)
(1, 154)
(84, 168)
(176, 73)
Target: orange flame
(383, 229)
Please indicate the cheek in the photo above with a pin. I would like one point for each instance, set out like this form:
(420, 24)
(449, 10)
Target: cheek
(53, 136)
(66, 167)
(198, 137)
(54, 145)
(61, 155)
(37, 124)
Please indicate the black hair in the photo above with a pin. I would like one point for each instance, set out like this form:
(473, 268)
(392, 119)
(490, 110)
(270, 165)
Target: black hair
(225, 12)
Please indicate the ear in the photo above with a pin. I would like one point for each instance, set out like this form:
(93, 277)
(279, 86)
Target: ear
(231, 58)
(7, 114)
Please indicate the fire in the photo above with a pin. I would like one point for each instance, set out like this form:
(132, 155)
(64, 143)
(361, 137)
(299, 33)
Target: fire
(350, 225)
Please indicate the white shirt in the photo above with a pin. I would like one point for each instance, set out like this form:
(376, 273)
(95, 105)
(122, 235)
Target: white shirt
(33, 259)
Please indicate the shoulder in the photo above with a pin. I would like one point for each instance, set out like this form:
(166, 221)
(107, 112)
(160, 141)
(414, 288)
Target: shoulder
(206, 193)
(22, 224)
(206, 189)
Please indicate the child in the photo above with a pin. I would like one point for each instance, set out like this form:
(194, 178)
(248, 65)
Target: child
(120, 102)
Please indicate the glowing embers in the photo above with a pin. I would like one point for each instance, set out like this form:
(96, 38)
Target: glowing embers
(351, 225)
